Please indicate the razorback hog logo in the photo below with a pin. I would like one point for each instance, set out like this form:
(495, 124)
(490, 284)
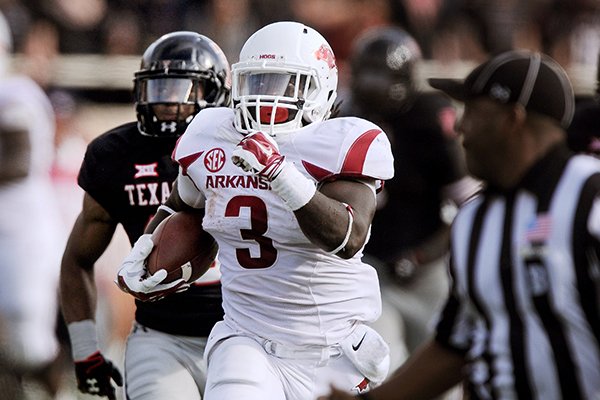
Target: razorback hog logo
(324, 53)
(214, 160)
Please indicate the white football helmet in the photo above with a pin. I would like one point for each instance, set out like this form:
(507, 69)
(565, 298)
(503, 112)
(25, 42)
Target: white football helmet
(286, 78)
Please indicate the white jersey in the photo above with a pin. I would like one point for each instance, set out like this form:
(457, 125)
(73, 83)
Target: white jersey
(276, 283)
(31, 232)
(23, 105)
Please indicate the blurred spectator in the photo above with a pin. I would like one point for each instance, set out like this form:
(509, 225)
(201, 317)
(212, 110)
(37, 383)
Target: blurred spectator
(451, 30)
(122, 33)
(40, 48)
(584, 131)
(570, 31)
(78, 22)
(341, 22)
(230, 23)
(69, 148)
(420, 18)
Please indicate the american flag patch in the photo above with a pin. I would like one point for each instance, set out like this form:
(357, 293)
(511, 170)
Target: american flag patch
(539, 229)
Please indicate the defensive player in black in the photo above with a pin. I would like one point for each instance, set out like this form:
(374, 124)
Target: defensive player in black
(127, 174)
(409, 236)
(583, 135)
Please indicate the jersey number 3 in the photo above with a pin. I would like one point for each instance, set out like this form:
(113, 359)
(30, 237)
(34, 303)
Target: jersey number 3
(259, 226)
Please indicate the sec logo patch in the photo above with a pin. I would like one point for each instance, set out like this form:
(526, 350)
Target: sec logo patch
(214, 160)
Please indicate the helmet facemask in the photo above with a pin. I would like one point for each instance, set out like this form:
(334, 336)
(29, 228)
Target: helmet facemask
(167, 102)
(274, 101)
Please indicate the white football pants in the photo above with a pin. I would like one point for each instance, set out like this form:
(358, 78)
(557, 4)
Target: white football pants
(242, 367)
(30, 268)
(160, 366)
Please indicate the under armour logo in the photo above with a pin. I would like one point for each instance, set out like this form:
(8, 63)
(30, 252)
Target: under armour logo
(170, 126)
(91, 384)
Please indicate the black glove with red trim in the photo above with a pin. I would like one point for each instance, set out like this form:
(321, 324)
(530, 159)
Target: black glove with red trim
(94, 375)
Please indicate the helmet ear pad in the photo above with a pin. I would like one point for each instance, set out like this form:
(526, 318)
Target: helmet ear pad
(183, 69)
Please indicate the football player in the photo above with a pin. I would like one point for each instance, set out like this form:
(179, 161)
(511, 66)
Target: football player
(583, 135)
(127, 174)
(410, 233)
(30, 227)
(289, 196)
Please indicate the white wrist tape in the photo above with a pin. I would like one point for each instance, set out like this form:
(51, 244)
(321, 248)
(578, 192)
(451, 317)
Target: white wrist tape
(295, 189)
(83, 339)
(348, 230)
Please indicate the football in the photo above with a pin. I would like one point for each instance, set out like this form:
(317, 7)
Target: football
(182, 247)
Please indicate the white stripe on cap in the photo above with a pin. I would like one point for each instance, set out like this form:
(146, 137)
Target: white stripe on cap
(493, 65)
(568, 93)
(534, 68)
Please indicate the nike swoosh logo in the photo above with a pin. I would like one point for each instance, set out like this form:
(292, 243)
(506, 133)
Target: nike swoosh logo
(359, 343)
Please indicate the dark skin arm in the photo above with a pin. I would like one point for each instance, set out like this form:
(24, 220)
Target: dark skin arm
(429, 372)
(175, 203)
(89, 238)
(324, 220)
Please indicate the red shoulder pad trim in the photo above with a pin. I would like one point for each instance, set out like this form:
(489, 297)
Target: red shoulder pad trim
(175, 148)
(353, 162)
(186, 161)
(320, 174)
(355, 158)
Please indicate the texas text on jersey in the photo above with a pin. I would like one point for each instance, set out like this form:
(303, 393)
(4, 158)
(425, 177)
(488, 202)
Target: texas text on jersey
(133, 200)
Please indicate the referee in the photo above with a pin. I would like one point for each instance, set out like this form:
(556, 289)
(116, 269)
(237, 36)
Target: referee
(522, 320)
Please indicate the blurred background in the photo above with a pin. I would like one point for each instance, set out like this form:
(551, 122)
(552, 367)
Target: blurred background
(84, 54)
(91, 48)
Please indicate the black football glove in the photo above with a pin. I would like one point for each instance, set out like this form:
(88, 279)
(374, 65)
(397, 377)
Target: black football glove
(94, 375)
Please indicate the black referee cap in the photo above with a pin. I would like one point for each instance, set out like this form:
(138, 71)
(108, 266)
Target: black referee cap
(531, 79)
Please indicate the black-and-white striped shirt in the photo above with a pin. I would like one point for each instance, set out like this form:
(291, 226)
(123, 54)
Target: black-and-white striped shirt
(525, 301)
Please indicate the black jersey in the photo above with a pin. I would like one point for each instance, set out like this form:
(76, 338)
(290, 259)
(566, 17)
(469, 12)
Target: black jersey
(584, 132)
(427, 157)
(130, 175)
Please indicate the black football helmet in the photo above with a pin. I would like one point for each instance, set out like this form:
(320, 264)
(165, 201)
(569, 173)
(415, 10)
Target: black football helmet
(382, 66)
(179, 69)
